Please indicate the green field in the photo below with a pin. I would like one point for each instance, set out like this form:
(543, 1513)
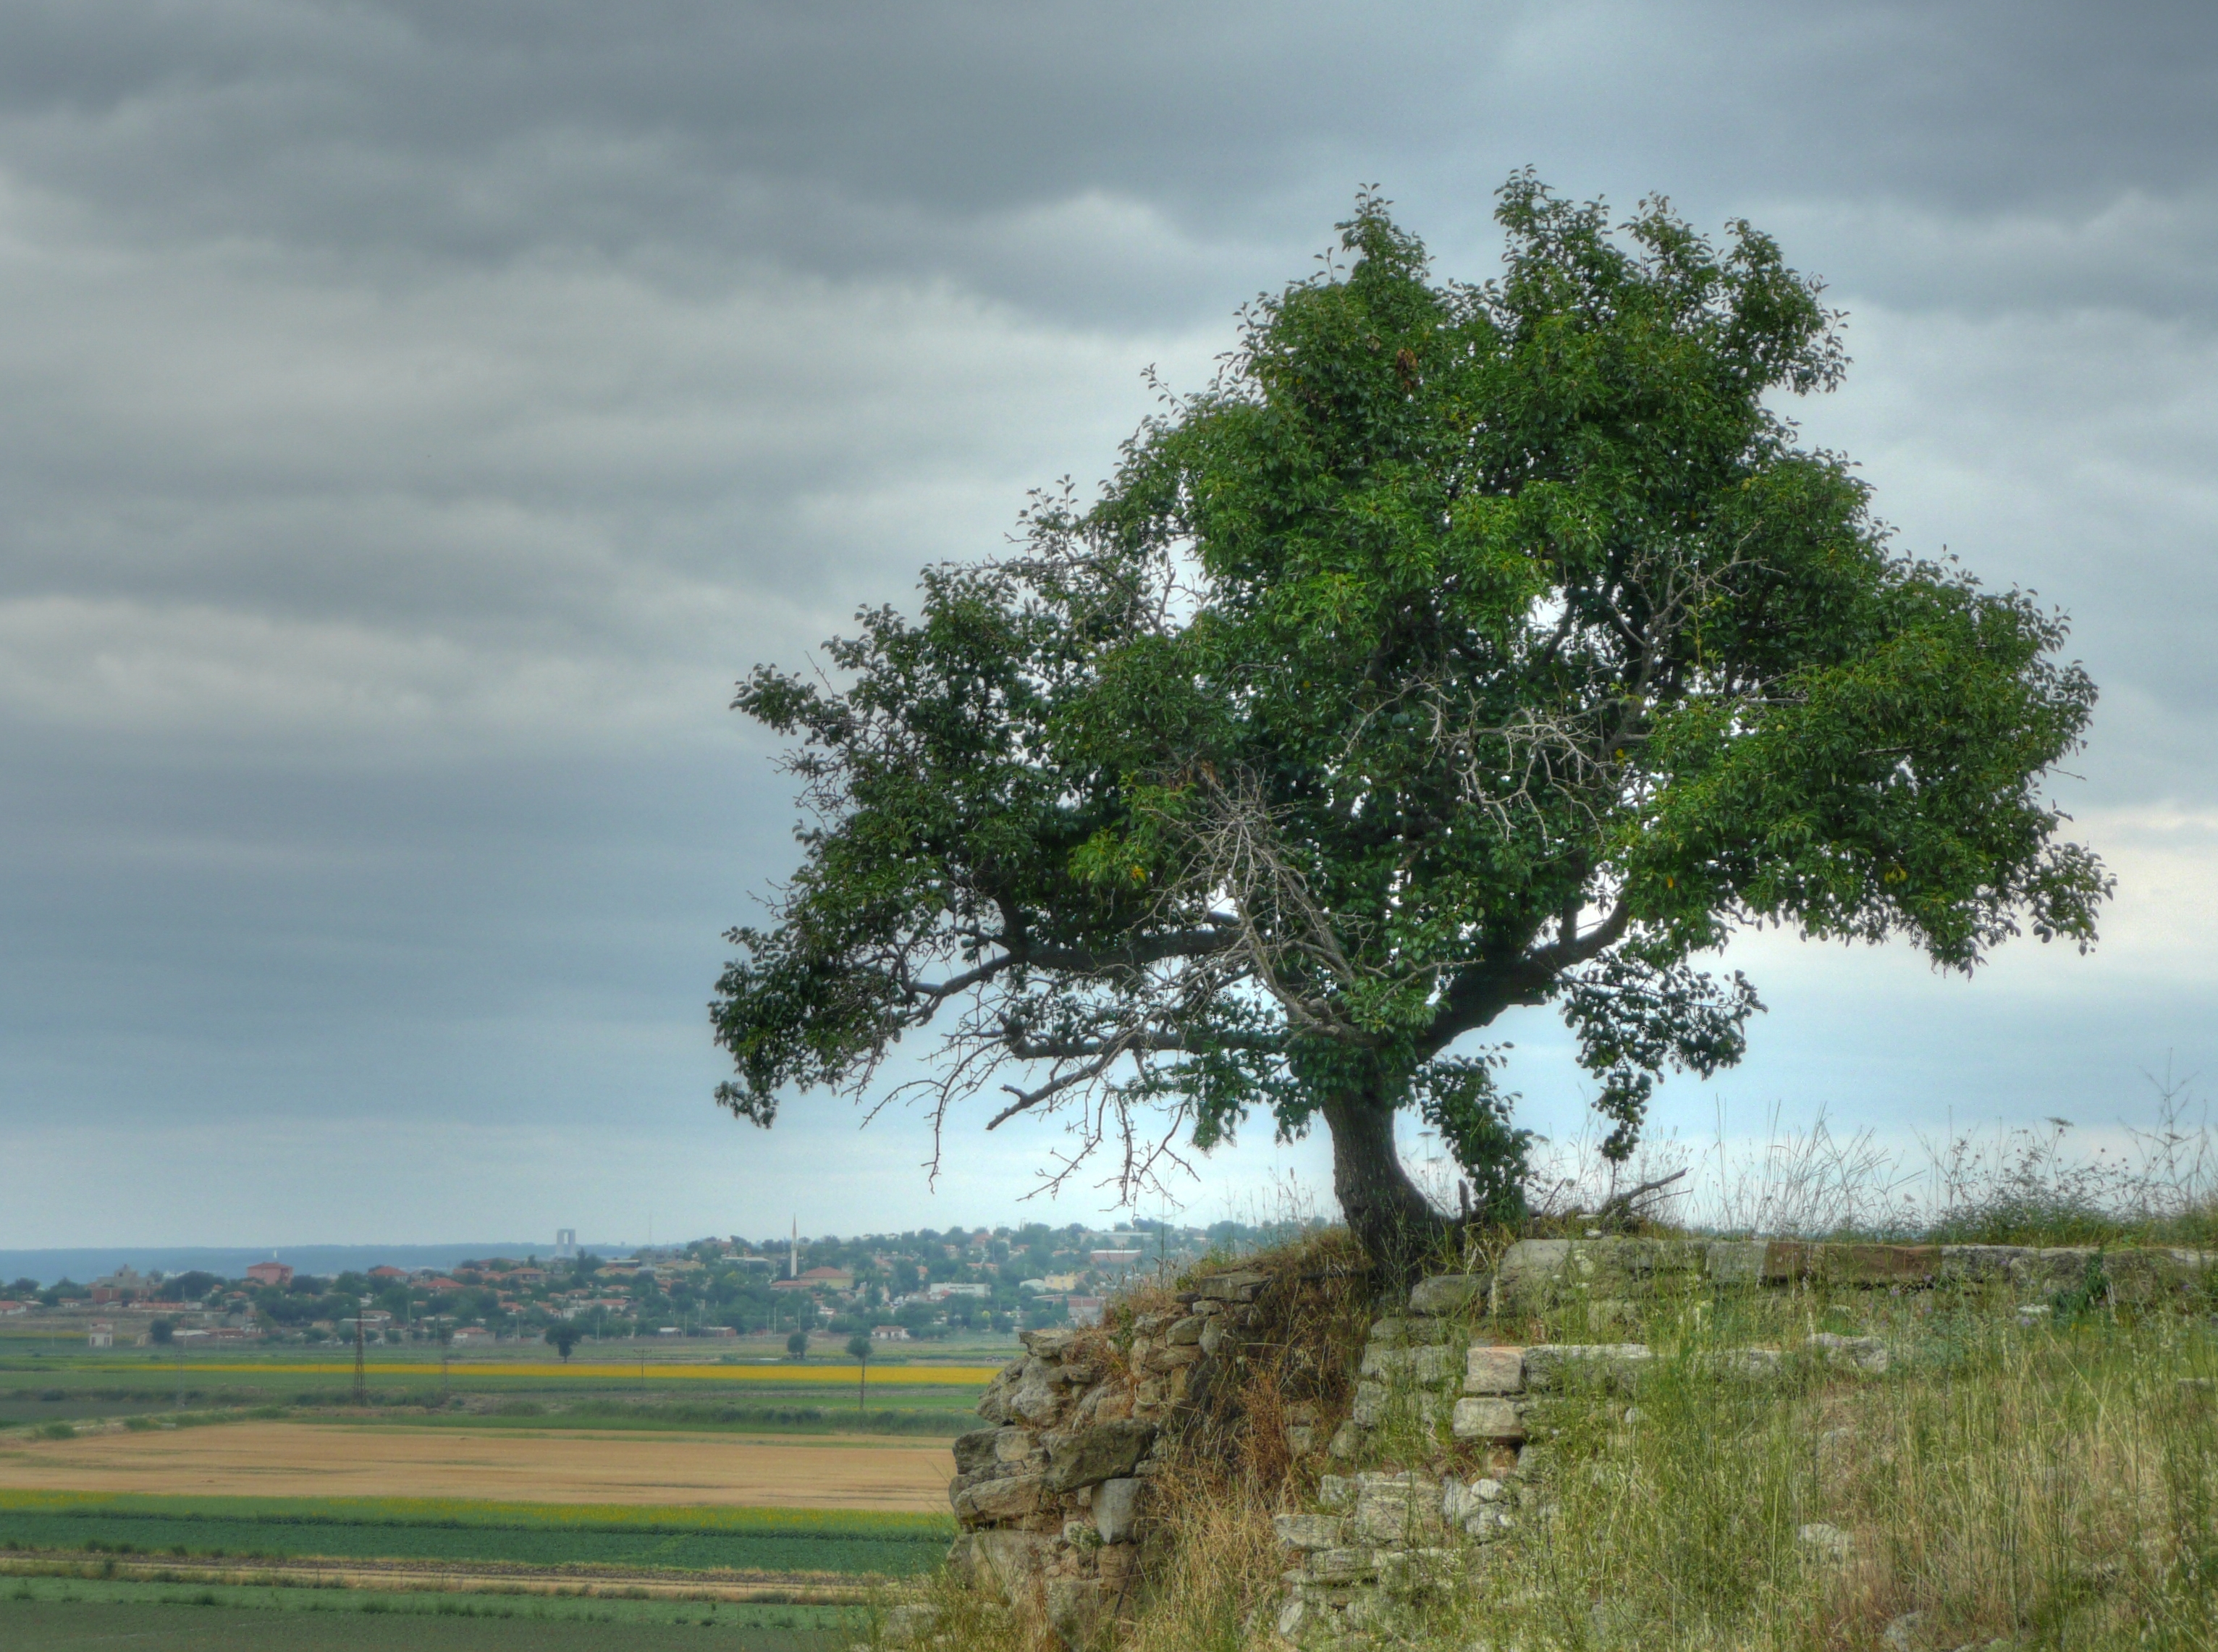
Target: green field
(648, 1388)
(520, 1534)
(73, 1616)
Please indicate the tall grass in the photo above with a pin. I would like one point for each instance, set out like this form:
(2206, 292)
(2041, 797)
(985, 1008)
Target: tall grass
(2041, 1489)
(2154, 1182)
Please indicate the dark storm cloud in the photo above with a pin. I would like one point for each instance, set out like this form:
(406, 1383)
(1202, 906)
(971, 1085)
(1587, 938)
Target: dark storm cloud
(412, 417)
(845, 139)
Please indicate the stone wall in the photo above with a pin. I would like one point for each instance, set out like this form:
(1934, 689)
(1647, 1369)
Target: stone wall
(1053, 1495)
(1439, 1444)
(1433, 1462)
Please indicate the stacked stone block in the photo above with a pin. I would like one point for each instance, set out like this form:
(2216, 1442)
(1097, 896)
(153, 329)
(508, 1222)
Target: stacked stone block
(1051, 1496)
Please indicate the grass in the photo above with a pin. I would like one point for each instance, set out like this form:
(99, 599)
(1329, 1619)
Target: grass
(917, 1400)
(528, 1534)
(68, 1614)
(2036, 1487)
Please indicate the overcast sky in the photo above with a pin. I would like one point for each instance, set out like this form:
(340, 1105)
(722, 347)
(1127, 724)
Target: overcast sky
(413, 418)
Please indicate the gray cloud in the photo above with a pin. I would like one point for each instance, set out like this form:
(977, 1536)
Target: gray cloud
(413, 415)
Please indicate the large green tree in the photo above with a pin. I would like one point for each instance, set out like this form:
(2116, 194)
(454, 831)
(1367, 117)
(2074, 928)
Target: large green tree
(1461, 647)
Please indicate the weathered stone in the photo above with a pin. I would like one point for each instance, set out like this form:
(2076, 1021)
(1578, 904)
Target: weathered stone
(1347, 1441)
(1493, 1370)
(1185, 1331)
(1343, 1565)
(1426, 1367)
(1735, 1261)
(1749, 1362)
(1826, 1541)
(1167, 1359)
(1116, 1561)
(2052, 1270)
(1412, 1330)
(1873, 1264)
(1448, 1293)
(1108, 1450)
(1395, 1508)
(1035, 1400)
(1240, 1285)
(1550, 1365)
(1117, 1508)
(1309, 1532)
(1214, 1335)
(1459, 1501)
(1405, 1571)
(1527, 1276)
(1074, 1610)
(1369, 1409)
(1005, 1560)
(1856, 1353)
(2146, 1278)
(1294, 1617)
(1977, 1264)
(1489, 1420)
(975, 1451)
(1486, 1525)
(1000, 1497)
(1047, 1345)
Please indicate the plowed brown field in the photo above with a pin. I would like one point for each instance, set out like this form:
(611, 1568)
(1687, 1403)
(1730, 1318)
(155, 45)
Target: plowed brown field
(278, 1459)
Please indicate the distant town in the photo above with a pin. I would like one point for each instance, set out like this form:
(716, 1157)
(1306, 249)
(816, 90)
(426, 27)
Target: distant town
(914, 1287)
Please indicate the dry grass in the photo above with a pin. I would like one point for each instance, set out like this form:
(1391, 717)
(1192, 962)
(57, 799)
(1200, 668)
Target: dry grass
(2038, 1487)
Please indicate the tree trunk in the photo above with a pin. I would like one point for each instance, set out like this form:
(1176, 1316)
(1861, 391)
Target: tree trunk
(1395, 1223)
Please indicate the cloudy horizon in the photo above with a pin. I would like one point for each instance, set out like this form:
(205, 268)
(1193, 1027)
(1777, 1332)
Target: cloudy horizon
(417, 416)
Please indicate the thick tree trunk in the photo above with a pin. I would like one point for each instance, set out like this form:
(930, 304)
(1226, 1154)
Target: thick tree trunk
(1395, 1223)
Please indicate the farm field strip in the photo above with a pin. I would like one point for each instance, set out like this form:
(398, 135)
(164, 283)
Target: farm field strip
(785, 1588)
(58, 1614)
(570, 1466)
(599, 1370)
(746, 1548)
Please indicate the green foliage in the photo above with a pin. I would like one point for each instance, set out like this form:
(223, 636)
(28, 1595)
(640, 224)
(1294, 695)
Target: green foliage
(1462, 647)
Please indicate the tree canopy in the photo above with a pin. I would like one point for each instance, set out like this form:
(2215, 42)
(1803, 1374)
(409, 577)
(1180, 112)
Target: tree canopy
(1461, 647)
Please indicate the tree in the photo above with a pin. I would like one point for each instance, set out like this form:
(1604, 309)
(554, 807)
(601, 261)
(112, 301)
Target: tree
(565, 1338)
(858, 1349)
(160, 1332)
(1461, 648)
(797, 1345)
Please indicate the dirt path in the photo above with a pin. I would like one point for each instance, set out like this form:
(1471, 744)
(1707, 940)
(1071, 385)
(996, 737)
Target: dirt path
(279, 1459)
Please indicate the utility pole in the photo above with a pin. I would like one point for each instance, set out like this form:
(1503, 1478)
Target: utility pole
(361, 1376)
